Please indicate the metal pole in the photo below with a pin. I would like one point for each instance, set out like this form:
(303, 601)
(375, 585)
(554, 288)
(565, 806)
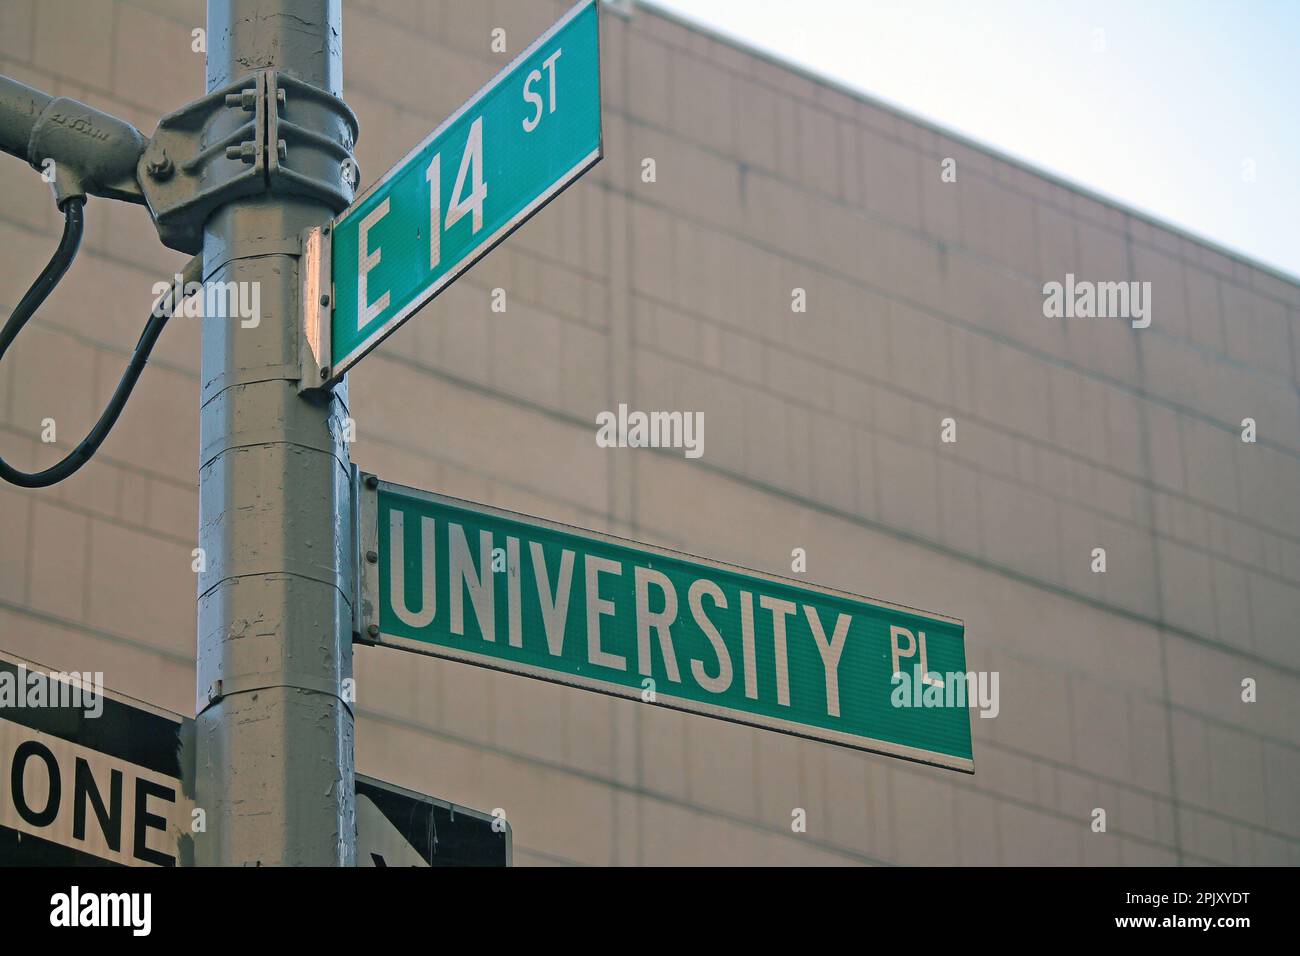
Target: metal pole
(20, 108)
(274, 734)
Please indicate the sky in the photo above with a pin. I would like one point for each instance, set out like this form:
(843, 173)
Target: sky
(1187, 110)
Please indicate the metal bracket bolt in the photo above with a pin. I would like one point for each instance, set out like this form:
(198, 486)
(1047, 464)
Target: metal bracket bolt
(240, 140)
(245, 151)
(159, 164)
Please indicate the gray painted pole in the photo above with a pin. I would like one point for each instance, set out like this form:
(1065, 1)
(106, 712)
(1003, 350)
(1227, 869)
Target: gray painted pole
(274, 735)
(20, 107)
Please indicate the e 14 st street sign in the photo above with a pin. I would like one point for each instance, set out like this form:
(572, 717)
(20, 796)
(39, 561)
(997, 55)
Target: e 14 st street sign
(470, 583)
(533, 130)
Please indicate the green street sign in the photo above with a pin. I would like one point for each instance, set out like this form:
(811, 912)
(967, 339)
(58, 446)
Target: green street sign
(533, 130)
(470, 583)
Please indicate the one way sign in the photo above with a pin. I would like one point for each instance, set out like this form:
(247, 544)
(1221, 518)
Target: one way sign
(89, 777)
(398, 827)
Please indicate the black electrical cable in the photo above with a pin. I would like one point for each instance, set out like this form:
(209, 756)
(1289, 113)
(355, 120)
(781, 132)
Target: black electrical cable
(74, 224)
(73, 227)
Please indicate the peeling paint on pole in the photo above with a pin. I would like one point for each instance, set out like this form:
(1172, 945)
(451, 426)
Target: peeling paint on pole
(275, 735)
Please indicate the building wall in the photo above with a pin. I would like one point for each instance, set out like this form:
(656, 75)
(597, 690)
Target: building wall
(1119, 690)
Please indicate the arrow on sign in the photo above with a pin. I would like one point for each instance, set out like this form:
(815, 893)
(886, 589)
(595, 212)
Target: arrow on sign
(385, 845)
(399, 827)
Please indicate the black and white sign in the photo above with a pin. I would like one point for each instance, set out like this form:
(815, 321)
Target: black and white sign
(398, 827)
(88, 776)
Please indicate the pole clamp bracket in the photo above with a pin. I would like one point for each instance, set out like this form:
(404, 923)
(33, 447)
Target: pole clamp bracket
(267, 132)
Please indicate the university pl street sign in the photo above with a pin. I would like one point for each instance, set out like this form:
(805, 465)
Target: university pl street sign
(501, 157)
(470, 583)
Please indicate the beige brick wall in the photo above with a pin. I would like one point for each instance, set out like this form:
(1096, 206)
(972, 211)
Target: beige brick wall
(1119, 691)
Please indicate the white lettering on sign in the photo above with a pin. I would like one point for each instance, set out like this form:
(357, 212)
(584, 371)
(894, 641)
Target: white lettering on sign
(429, 591)
(658, 621)
(830, 652)
(554, 602)
(472, 164)
(367, 260)
(90, 801)
(464, 576)
(598, 607)
(514, 600)
(747, 644)
(534, 98)
(718, 684)
(656, 610)
(915, 643)
(434, 177)
(780, 611)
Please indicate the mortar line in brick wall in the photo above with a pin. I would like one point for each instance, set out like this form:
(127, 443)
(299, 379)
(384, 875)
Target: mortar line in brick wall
(1080, 504)
(628, 375)
(611, 782)
(89, 250)
(966, 784)
(592, 513)
(1029, 280)
(116, 349)
(992, 335)
(1140, 695)
(554, 859)
(950, 244)
(875, 525)
(46, 617)
(108, 100)
(919, 122)
(1144, 446)
(161, 14)
(115, 522)
(912, 231)
(121, 463)
(1157, 795)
